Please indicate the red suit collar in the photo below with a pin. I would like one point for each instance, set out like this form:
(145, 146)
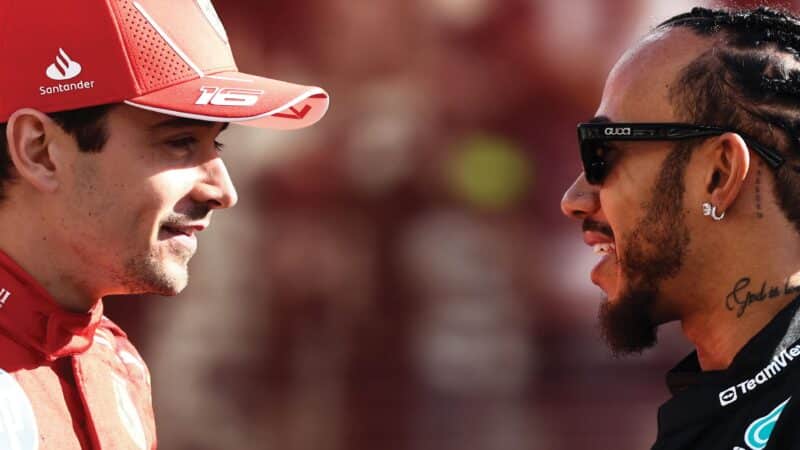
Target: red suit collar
(30, 316)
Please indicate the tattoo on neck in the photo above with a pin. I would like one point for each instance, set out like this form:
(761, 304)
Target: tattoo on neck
(741, 297)
(759, 213)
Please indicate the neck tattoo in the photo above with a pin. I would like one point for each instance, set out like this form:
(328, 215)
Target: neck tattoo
(759, 213)
(741, 296)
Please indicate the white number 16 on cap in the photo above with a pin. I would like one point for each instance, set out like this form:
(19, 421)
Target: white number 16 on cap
(228, 96)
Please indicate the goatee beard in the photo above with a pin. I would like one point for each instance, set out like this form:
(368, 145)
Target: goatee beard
(626, 325)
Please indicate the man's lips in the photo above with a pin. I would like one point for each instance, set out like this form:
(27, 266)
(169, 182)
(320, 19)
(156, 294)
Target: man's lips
(185, 229)
(603, 274)
(600, 242)
(181, 235)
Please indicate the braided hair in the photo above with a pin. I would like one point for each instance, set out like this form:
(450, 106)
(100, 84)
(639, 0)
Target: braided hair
(750, 81)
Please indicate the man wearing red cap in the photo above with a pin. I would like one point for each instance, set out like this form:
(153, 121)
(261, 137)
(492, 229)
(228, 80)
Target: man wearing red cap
(109, 167)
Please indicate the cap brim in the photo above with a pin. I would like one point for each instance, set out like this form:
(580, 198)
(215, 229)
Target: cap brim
(239, 98)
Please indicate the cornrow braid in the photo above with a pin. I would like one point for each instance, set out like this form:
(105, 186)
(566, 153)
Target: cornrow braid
(789, 87)
(749, 80)
(754, 26)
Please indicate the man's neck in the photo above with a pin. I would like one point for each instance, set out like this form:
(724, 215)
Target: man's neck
(718, 338)
(39, 257)
(740, 275)
(740, 304)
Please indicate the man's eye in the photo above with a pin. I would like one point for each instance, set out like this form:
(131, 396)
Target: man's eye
(606, 152)
(190, 143)
(184, 143)
(602, 150)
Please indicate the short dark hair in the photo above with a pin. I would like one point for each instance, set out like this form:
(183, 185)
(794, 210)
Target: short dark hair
(750, 82)
(87, 125)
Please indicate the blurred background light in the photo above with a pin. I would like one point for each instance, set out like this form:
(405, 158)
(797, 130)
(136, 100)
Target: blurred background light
(489, 172)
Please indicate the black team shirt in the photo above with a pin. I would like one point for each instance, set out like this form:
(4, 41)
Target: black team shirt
(752, 405)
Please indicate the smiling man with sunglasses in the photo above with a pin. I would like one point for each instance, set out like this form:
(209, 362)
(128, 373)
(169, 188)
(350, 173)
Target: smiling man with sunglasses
(690, 191)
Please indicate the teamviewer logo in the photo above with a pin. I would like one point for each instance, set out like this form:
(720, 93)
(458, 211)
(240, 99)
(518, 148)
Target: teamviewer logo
(728, 396)
(64, 68)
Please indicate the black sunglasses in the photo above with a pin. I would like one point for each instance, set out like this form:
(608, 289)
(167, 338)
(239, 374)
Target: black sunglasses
(593, 136)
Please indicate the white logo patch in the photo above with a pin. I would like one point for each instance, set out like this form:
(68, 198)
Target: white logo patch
(128, 414)
(64, 68)
(211, 15)
(18, 429)
(728, 396)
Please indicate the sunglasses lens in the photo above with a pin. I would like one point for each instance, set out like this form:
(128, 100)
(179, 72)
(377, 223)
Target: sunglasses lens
(594, 164)
(596, 172)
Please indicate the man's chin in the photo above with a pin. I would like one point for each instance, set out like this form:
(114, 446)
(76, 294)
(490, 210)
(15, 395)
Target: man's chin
(175, 279)
(166, 278)
(626, 323)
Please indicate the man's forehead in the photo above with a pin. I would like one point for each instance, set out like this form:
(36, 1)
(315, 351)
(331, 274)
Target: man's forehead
(155, 121)
(167, 122)
(638, 87)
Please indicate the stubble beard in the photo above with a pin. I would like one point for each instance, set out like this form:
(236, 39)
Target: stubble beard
(164, 268)
(654, 252)
(159, 272)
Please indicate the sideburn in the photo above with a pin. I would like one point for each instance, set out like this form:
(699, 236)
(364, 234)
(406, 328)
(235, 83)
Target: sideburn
(662, 231)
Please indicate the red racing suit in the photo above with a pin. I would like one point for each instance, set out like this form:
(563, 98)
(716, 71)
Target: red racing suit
(68, 381)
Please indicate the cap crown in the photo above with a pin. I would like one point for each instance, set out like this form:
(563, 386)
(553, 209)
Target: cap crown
(61, 55)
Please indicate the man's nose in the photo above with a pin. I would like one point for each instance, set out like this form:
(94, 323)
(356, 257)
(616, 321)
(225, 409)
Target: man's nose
(581, 200)
(216, 188)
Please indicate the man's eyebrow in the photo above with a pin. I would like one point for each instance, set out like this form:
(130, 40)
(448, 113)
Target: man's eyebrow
(181, 122)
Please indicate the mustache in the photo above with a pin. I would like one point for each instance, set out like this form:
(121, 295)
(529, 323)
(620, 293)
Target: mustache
(593, 225)
(196, 212)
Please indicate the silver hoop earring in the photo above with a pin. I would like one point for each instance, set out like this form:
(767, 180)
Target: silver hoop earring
(710, 210)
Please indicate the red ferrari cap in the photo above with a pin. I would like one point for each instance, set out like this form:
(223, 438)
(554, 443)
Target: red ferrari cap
(172, 57)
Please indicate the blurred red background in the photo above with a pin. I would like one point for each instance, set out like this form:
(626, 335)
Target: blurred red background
(399, 276)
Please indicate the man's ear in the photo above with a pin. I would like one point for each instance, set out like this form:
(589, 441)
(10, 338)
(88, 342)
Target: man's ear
(730, 165)
(30, 134)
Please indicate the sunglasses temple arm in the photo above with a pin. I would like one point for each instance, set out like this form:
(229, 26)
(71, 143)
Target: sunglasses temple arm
(773, 160)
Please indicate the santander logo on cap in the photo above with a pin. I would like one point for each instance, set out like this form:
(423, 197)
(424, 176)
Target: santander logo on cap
(64, 68)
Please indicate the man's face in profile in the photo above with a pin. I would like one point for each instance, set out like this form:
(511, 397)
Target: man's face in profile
(131, 213)
(636, 218)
